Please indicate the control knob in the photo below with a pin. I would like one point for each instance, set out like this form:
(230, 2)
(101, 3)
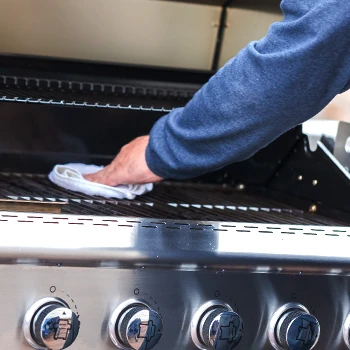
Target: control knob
(50, 324)
(216, 326)
(134, 325)
(294, 328)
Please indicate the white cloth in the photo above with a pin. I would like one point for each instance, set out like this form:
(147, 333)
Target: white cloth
(70, 177)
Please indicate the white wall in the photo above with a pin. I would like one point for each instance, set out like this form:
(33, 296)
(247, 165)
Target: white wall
(126, 31)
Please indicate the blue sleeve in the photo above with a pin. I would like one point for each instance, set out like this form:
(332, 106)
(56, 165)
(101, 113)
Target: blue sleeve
(271, 86)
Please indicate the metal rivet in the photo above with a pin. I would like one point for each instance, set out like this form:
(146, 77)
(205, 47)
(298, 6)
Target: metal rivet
(300, 177)
(240, 187)
(314, 182)
(313, 208)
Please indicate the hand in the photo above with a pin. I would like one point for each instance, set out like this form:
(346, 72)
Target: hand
(128, 167)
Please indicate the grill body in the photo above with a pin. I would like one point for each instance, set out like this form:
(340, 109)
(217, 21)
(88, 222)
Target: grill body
(252, 235)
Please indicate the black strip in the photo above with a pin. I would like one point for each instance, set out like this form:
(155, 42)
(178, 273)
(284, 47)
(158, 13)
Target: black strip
(65, 69)
(157, 97)
(220, 36)
(200, 2)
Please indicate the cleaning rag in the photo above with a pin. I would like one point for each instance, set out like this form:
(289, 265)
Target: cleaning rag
(70, 177)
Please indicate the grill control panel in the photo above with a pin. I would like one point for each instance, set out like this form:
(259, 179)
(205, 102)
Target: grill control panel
(102, 308)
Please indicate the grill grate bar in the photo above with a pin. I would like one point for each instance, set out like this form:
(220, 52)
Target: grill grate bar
(47, 86)
(176, 201)
(119, 97)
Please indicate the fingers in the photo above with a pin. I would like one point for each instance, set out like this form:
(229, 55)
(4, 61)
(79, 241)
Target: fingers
(107, 176)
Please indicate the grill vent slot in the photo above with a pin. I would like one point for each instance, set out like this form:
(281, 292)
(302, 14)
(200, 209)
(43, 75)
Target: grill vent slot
(185, 227)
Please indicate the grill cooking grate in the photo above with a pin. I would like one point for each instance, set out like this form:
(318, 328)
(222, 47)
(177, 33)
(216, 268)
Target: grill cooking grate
(89, 94)
(177, 201)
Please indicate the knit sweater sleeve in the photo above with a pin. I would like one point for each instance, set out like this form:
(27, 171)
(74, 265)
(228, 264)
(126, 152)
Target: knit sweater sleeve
(271, 86)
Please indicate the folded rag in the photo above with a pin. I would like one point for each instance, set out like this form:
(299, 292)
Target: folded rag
(70, 177)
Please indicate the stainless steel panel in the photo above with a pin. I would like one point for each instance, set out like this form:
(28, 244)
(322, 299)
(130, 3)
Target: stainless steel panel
(95, 293)
(124, 31)
(341, 147)
(96, 263)
(181, 245)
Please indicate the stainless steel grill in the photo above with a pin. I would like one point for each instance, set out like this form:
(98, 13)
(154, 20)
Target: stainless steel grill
(253, 241)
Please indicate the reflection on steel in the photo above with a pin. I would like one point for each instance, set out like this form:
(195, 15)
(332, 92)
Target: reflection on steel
(341, 146)
(116, 241)
(346, 331)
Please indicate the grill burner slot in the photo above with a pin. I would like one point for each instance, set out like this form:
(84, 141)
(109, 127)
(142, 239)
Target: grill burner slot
(182, 201)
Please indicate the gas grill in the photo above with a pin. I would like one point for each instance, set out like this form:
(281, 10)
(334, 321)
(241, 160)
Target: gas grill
(261, 243)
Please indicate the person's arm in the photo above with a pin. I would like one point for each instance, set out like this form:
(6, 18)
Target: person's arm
(271, 86)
